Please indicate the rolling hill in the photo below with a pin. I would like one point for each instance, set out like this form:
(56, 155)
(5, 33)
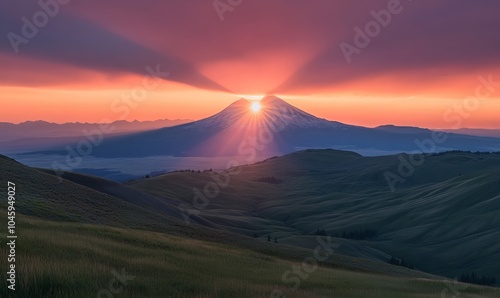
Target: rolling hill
(83, 222)
(94, 201)
(61, 259)
(444, 218)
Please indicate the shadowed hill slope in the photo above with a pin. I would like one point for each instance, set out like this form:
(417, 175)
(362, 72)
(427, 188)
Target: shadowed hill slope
(42, 195)
(444, 218)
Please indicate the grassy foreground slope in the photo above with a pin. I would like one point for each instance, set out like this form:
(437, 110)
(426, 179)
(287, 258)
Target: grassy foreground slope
(60, 260)
(444, 218)
(43, 195)
(79, 235)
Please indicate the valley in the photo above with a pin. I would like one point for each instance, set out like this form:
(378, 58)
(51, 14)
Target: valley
(340, 199)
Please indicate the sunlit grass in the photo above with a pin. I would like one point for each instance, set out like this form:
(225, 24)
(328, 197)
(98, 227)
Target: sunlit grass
(57, 259)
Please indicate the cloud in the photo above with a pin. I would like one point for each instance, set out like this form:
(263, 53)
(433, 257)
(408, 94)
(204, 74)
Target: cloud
(425, 43)
(75, 42)
(283, 46)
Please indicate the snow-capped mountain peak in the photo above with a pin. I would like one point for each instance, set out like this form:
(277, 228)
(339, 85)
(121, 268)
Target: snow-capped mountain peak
(275, 111)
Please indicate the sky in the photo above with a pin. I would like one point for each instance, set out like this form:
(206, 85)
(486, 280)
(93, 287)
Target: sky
(420, 63)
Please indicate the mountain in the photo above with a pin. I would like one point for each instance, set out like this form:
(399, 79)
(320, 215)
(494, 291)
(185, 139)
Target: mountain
(33, 135)
(279, 128)
(402, 129)
(494, 133)
(275, 113)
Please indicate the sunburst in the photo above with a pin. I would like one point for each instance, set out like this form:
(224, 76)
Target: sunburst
(255, 107)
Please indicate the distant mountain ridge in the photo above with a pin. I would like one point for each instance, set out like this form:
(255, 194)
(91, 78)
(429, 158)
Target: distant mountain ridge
(42, 128)
(32, 135)
(402, 129)
(493, 133)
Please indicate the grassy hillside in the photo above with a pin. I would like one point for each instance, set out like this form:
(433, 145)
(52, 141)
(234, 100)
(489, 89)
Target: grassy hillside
(86, 227)
(42, 195)
(75, 260)
(444, 218)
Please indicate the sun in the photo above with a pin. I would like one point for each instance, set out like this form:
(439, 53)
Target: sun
(255, 107)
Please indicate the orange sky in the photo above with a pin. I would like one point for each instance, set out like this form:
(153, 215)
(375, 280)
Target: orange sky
(178, 101)
(82, 65)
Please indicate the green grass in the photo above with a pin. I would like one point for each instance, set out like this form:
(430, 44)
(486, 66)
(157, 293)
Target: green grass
(57, 259)
(443, 218)
(41, 194)
(79, 234)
